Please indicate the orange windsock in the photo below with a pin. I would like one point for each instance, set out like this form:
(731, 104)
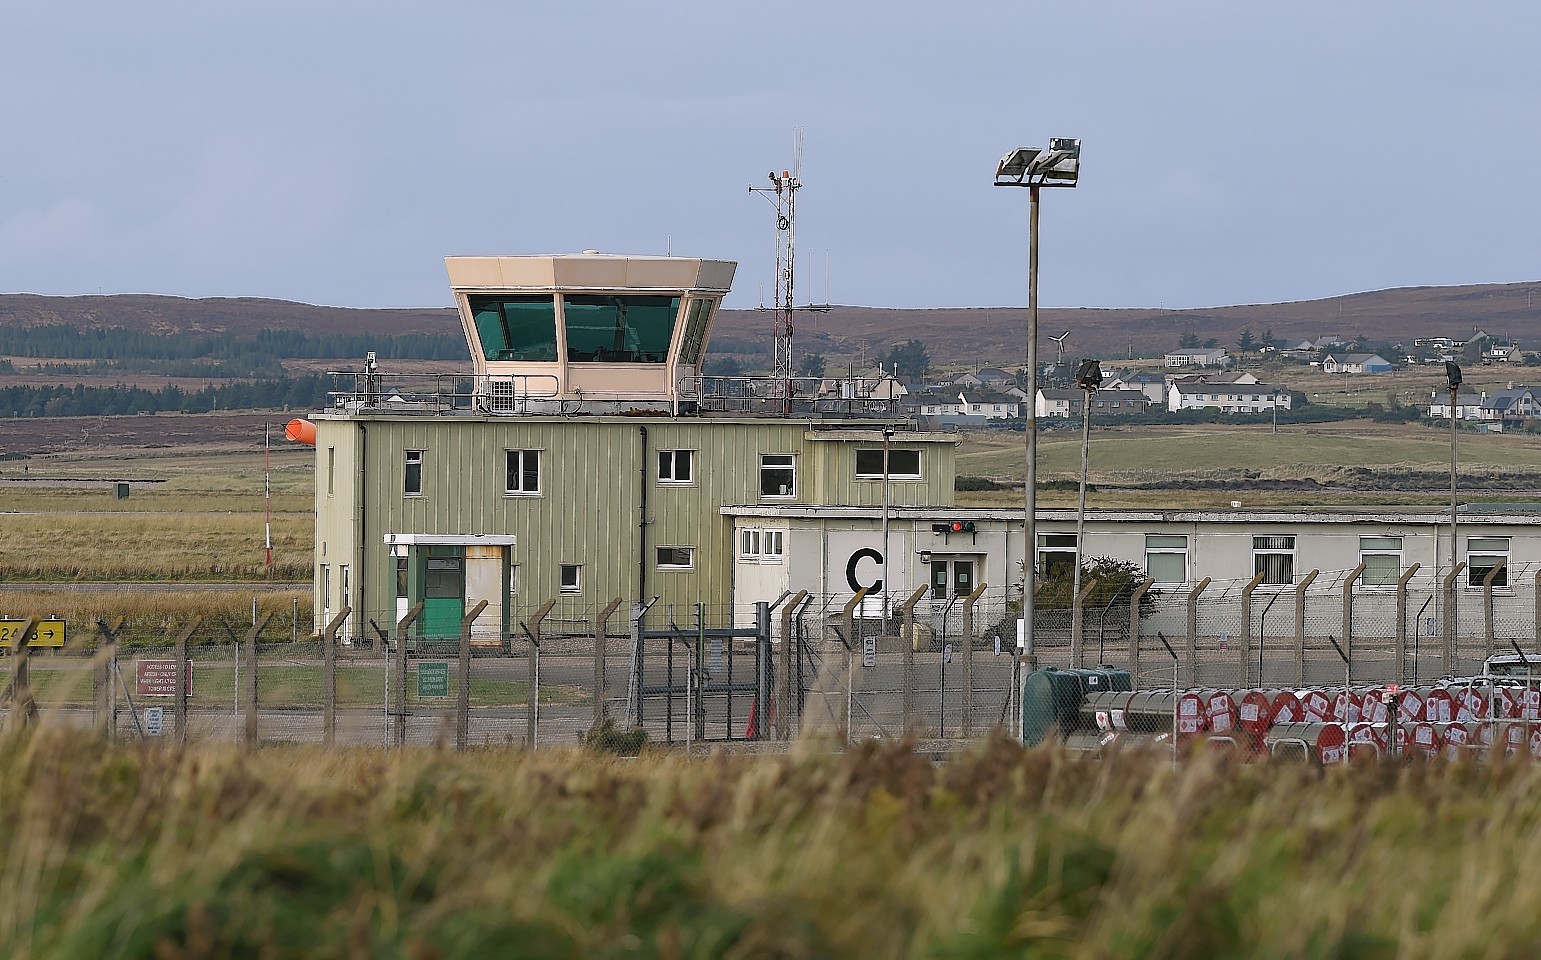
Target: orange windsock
(300, 431)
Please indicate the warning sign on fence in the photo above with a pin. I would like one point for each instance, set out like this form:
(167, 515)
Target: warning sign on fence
(158, 678)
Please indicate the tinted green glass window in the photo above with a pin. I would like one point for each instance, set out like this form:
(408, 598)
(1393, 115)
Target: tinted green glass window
(516, 327)
(609, 328)
(695, 330)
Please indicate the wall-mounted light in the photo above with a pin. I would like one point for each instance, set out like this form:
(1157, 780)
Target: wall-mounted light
(925, 556)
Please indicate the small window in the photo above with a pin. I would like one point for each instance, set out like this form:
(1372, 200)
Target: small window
(331, 470)
(1482, 555)
(325, 572)
(778, 475)
(749, 543)
(412, 482)
(1274, 557)
(1056, 554)
(1382, 559)
(513, 579)
(676, 466)
(1166, 558)
(902, 464)
(523, 472)
(676, 558)
(570, 578)
(401, 578)
(775, 546)
(761, 545)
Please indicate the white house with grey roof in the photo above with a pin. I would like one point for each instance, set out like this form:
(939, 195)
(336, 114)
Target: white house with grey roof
(1201, 394)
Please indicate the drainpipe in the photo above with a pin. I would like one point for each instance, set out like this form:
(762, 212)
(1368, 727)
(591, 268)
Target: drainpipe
(642, 519)
(360, 571)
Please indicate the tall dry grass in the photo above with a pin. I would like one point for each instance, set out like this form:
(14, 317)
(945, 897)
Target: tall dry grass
(116, 852)
(157, 615)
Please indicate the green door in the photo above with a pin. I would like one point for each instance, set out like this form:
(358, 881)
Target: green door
(444, 595)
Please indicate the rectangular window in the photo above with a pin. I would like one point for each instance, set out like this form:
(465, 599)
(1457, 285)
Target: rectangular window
(1482, 555)
(1382, 559)
(1274, 558)
(331, 470)
(700, 313)
(676, 466)
(616, 328)
(902, 464)
(778, 475)
(325, 575)
(401, 578)
(412, 481)
(1166, 558)
(676, 558)
(522, 473)
(757, 545)
(570, 578)
(1056, 554)
(515, 327)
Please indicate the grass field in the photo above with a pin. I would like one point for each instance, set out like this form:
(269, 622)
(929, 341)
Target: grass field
(208, 851)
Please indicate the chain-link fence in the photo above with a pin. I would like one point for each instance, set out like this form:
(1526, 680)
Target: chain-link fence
(930, 667)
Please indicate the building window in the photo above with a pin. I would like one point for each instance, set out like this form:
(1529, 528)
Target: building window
(1382, 559)
(676, 558)
(570, 578)
(1274, 558)
(619, 328)
(761, 545)
(523, 472)
(1056, 554)
(1166, 558)
(700, 312)
(1482, 555)
(331, 470)
(401, 578)
(778, 475)
(676, 466)
(325, 576)
(902, 464)
(412, 482)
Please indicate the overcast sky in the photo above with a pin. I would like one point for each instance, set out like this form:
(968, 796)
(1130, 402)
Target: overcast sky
(334, 152)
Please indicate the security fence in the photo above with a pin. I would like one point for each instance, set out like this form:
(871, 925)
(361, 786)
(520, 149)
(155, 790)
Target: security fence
(905, 665)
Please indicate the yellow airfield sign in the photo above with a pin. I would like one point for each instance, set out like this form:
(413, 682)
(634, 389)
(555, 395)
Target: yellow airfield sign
(50, 633)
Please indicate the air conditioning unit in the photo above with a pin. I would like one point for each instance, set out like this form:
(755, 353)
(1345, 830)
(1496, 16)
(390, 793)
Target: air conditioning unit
(501, 397)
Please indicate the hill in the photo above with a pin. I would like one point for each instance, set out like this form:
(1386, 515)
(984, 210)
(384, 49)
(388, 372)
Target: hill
(969, 335)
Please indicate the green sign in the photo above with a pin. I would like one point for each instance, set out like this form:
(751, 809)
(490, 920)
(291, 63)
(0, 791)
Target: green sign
(432, 680)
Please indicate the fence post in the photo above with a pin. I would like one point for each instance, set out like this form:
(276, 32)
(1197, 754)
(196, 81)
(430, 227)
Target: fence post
(1536, 596)
(789, 655)
(1487, 608)
(1193, 631)
(1401, 639)
(532, 705)
(1348, 609)
(968, 658)
(463, 691)
(1244, 675)
(106, 689)
(1134, 627)
(848, 616)
(399, 691)
(23, 707)
(1449, 590)
(1300, 628)
(180, 701)
(249, 693)
(601, 648)
(907, 611)
(329, 690)
(762, 669)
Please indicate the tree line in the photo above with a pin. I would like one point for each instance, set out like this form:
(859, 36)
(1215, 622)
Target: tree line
(114, 344)
(303, 392)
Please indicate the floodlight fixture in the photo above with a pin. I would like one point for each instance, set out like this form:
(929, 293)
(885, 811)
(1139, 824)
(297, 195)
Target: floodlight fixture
(1057, 166)
(1453, 374)
(1088, 375)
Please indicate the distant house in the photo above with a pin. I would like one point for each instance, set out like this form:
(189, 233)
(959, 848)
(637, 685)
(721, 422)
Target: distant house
(1355, 363)
(1513, 404)
(993, 376)
(1199, 357)
(1199, 394)
(876, 384)
(1152, 385)
(1066, 404)
(967, 407)
(989, 404)
(1468, 406)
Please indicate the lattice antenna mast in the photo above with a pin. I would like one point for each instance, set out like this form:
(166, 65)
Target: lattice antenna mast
(785, 187)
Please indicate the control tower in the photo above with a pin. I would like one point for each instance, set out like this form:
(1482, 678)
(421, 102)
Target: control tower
(589, 332)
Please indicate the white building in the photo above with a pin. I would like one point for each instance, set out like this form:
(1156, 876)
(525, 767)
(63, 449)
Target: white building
(1200, 394)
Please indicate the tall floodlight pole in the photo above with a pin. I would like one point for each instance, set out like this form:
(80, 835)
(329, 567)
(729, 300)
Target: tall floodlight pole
(785, 186)
(1088, 377)
(1034, 167)
(1453, 372)
(888, 434)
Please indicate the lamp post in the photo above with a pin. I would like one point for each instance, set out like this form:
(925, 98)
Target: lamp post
(1034, 168)
(1453, 373)
(888, 433)
(1088, 377)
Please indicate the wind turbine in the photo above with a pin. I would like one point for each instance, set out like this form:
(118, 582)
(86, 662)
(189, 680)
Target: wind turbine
(1059, 357)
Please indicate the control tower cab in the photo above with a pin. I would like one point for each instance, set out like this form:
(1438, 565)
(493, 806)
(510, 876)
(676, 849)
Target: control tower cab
(587, 332)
